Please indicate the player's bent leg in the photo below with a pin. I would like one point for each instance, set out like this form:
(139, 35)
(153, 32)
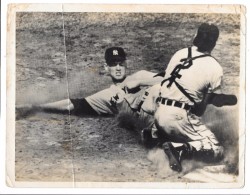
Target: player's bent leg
(173, 155)
(212, 154)
(208, 148)
(176, 154)
(205, 148)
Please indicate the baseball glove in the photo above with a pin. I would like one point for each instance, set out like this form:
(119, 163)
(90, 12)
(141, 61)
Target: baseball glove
(215, 99)
(220, 100)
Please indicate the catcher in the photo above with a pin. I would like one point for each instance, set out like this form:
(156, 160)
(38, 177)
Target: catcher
(191, 81)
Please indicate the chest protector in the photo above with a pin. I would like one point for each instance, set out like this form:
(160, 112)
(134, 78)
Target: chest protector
(186, 63)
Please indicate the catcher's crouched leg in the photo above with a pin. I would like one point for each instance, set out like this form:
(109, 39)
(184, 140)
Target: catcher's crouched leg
(177, 154)
(207, 150)
(209, 155)
(186, 152)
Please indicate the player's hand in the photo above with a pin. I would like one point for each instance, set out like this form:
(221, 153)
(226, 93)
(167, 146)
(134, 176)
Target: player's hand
(23, 111)
(220, 100)
(132, 85)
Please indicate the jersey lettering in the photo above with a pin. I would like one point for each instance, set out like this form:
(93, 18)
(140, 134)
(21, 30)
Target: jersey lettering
(115, 52)
(116, 97)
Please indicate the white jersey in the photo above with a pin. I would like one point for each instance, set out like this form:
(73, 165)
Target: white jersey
(203, 76)
(105, 101)
(179, 124)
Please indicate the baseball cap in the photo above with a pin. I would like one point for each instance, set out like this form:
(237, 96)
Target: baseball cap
(115, 54)
(206, 36)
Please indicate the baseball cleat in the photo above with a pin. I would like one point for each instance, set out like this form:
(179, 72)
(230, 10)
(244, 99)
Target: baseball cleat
(173, 156)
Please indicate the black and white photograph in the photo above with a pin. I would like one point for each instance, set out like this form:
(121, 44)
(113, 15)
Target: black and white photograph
(126, 95)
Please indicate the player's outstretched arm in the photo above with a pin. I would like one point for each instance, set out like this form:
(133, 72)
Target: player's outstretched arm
(143, 78)
(215, 99)
(62, 106)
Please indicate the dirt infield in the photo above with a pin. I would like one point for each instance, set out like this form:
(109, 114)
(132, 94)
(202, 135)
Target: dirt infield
(54, 147)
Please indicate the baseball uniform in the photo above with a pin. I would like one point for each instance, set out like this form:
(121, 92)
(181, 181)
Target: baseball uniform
(173, 114)
(109, 101)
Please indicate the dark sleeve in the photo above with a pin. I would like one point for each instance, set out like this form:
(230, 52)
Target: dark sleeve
(200, 108)
(82, 107)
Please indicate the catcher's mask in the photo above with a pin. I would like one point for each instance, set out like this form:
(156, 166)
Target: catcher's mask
(206, 37)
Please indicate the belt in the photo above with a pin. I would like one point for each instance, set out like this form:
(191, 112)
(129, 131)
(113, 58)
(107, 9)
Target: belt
(174, 103)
